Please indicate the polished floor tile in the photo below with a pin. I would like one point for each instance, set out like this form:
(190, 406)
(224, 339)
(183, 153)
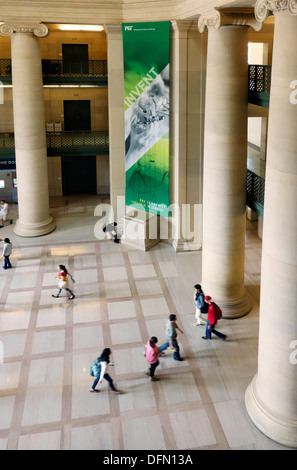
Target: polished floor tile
(123, 297)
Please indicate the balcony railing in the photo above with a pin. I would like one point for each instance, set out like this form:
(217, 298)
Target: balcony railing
(255, 189)
(64, 72)
(64, 143)
(77, 142)
(259, 84)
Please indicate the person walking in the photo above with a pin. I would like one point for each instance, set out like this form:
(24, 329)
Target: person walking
(63, 282)
(200, 305)
(4, 213)
(214, 314)
(7, 250)
(171, 336)
(98, 370)
(152, 353)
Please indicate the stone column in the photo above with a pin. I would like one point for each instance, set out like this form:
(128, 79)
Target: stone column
(29, 129)
(116, 114)
(187, 114)
(271, 398)
(225, 161)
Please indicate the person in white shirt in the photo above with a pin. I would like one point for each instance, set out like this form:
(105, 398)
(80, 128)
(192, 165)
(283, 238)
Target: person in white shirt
(7, 250)
(98, 370)
(3, 213)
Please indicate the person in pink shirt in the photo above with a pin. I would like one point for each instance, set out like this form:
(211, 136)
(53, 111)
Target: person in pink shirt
(152, 354)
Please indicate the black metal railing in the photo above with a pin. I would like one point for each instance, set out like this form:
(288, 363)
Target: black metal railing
(259, 82)
(64, 143)
(74, 71)
(68, 72)
(255, 190)
(75, 140)
(5, 70)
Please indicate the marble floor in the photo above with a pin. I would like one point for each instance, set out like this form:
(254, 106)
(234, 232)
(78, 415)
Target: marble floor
(123, 297)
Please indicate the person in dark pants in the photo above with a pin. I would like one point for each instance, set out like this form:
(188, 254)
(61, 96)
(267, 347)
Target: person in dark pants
(171, 336)
(7, 250)
(152, 354)
(201, 306)
(98, 370)
(212, 319)
(63, 282)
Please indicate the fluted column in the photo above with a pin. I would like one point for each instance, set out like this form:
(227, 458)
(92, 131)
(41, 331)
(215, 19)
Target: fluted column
(29, 129)
(271, 398)
(225, 161)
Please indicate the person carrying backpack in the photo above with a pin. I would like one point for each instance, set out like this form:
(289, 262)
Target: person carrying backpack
(98, 370)
(200, 305)
(214, 314)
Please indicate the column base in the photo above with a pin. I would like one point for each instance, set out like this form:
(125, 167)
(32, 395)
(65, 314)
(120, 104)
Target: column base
(34, 230)
(180, 246)
(236, 308)
(279, 429)
(140, 230)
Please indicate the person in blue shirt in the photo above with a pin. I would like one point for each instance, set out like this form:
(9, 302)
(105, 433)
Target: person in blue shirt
(200, 304)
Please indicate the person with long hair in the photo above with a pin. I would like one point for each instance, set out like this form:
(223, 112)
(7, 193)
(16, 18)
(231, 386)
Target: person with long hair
(98, 370)
(63, 282)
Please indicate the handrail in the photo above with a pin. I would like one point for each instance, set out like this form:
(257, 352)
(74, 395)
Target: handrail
(63, 140)
(64, 71)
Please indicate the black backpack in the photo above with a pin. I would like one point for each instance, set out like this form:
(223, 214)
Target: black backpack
(204, 308)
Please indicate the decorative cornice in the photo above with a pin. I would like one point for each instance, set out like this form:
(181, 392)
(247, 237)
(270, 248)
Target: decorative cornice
(265, 8)
(38, 29)
(218, 18)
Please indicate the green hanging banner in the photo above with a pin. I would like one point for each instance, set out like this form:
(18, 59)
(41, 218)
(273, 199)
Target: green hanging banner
(146, 81)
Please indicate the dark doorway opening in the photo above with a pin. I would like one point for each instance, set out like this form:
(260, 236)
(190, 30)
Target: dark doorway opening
(77, 115)
(79, 175)
(75, 58)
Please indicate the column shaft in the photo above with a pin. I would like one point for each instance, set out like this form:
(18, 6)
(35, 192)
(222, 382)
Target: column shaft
(30, 138)
(271, 399)
(225, 163)
(116, 114)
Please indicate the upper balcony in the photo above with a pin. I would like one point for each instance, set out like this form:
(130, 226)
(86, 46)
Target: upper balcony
(59, 72)
(73, 143)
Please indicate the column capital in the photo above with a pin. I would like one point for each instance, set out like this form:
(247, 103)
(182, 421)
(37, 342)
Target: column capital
(218, 18)
(113, 29)
(38, 29)
(265, 8)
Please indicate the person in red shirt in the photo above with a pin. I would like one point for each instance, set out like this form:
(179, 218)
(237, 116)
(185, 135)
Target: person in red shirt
(152, 354)
(212, 320)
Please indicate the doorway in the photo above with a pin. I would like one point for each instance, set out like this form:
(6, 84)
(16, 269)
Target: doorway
(75, 58)
(77, 115)
(79, 175)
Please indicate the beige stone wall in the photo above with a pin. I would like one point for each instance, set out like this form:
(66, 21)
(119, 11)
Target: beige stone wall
(54, 98)
(98, 97)
(55, 175)
(265, 35)
(6, 115)
(51, 46)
